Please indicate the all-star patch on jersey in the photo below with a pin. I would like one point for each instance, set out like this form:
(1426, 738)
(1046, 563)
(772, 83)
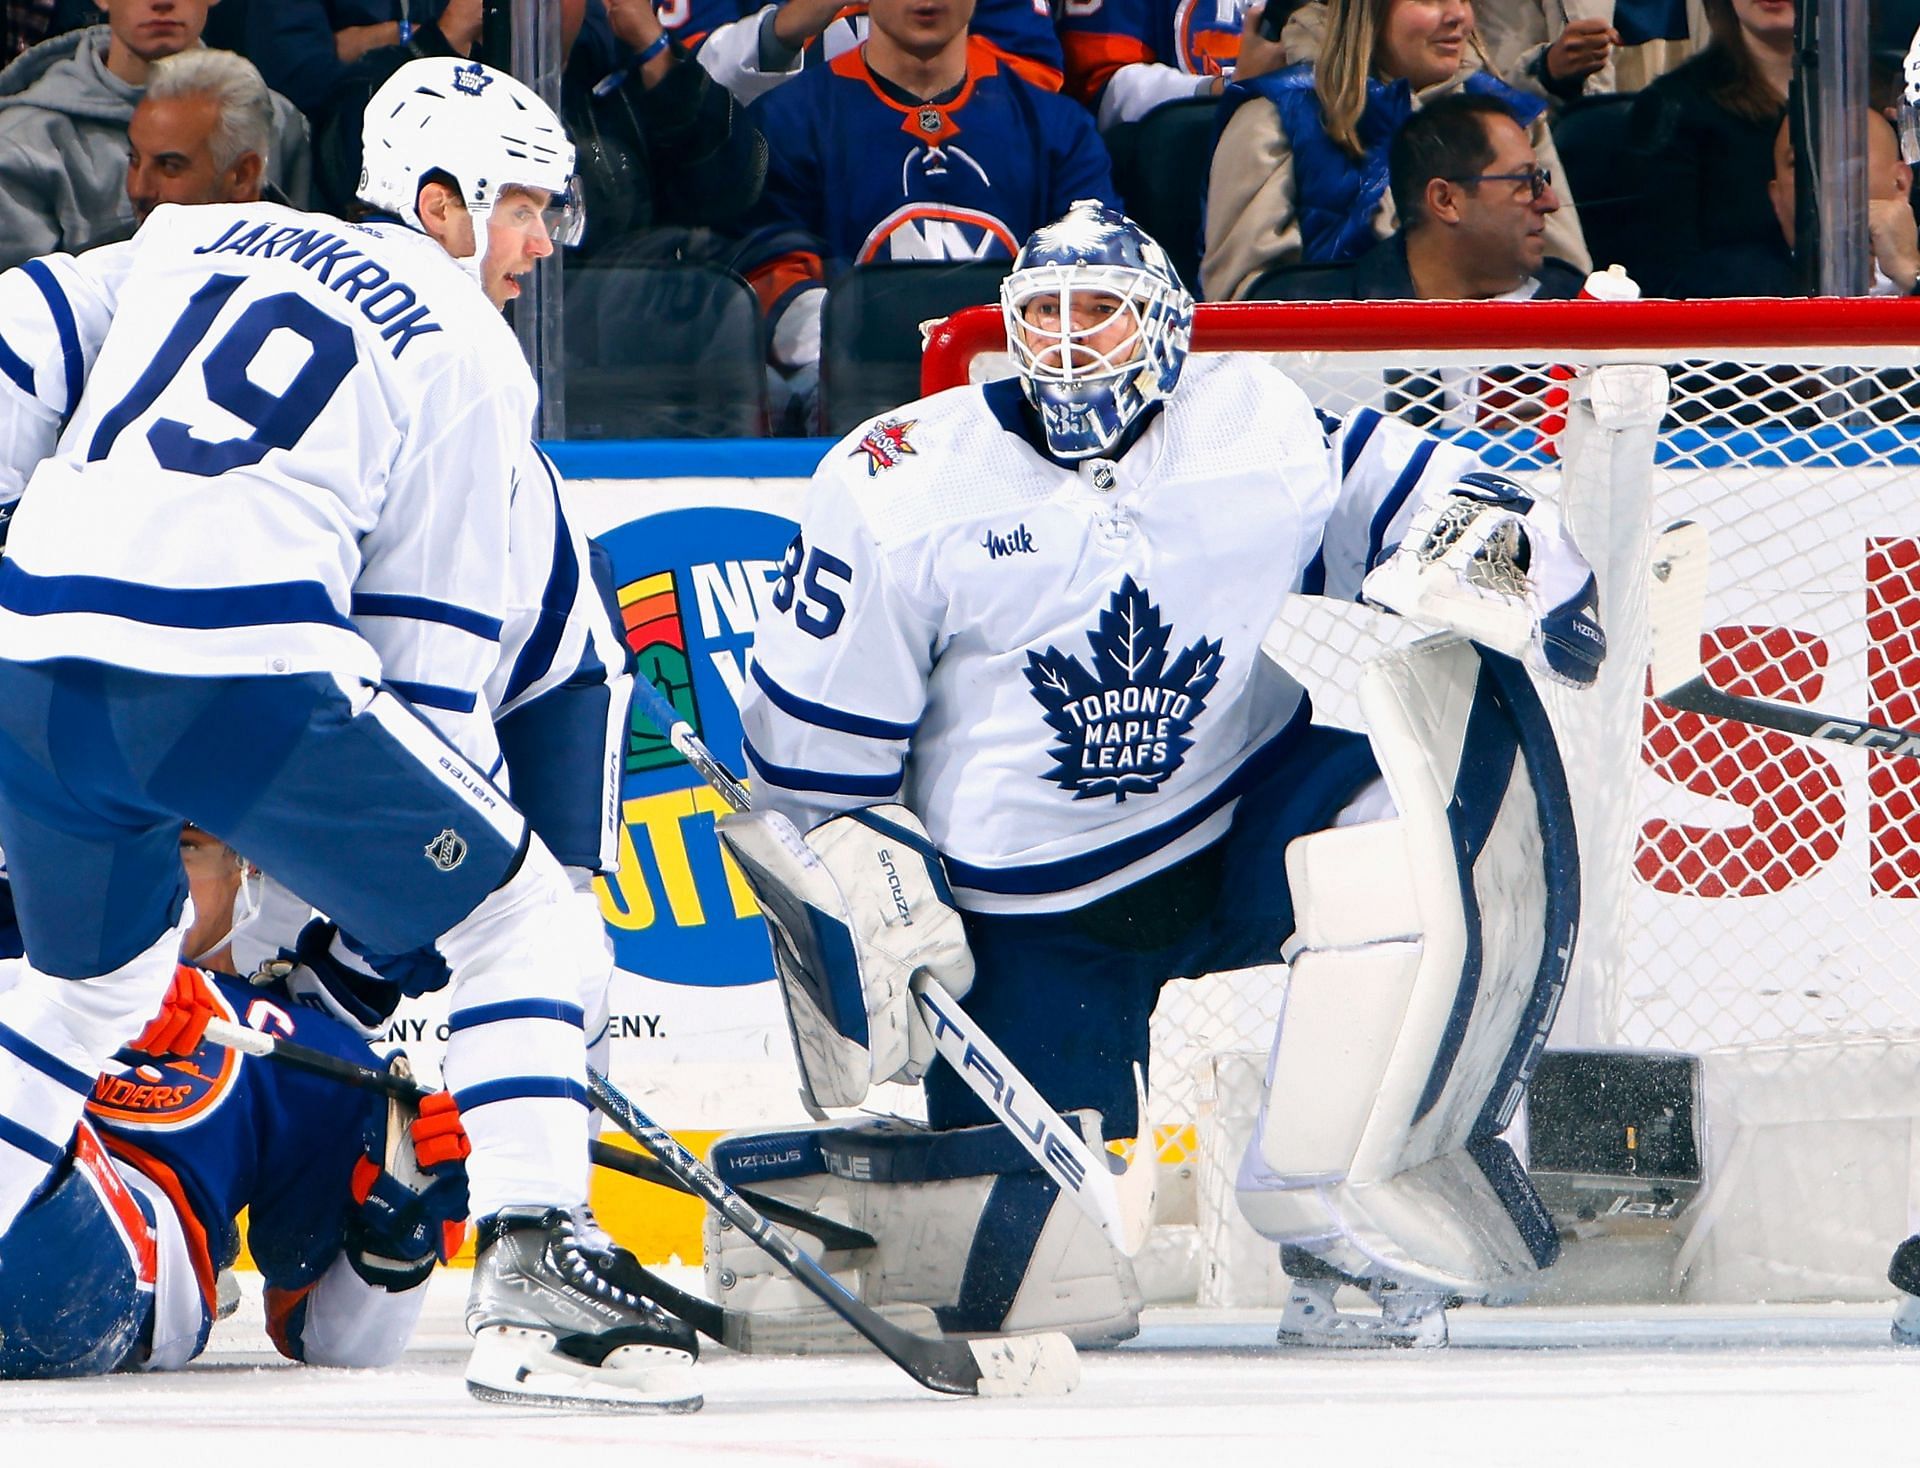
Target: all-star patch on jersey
(1059, 667)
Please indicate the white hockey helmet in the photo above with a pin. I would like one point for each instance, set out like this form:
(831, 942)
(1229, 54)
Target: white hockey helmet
(482, 129)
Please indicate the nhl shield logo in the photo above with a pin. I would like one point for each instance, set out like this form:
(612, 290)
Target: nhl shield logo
(930, 120)
(1121, 729)
(447, 850)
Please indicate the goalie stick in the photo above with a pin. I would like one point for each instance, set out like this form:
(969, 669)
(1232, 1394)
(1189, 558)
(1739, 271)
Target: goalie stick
(831, 1234)
(1676, 600)
(1058, 1147)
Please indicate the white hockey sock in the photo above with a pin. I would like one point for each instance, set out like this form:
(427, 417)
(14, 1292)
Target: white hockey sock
(516, 1054)
(55, 1035)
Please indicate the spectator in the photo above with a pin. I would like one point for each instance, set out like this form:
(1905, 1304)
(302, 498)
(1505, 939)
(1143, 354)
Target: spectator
(304, 47)
(203, 134)
(1300, 170)
(1570, 48)
(750, 49)
(64, 109)
(1127, 57)
(1473, 202)
(1772, 268)
(921, 145)
(1700, 143)
(659, 142)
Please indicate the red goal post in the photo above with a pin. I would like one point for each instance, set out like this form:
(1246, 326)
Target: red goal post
(1751, 899)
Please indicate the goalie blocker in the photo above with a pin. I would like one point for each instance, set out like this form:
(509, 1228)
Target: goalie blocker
(1433, 951)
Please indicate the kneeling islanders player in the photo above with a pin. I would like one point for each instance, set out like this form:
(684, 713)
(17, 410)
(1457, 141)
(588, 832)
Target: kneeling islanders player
(1014, 668)
(351, 1198)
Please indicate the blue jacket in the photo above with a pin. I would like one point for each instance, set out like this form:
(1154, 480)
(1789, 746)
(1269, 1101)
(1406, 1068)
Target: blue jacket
(1335, 194)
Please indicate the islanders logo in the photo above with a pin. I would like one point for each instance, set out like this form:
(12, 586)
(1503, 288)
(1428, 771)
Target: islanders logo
(1121, 728)
(159, 1095)
(885, 444)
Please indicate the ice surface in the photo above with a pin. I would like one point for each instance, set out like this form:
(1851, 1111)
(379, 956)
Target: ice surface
(1794, 1385)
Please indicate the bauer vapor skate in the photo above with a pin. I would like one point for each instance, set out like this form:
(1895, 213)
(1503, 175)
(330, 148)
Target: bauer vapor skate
(558, 1318)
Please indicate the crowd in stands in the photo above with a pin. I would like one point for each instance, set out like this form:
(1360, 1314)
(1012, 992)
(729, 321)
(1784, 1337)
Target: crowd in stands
(748, 165)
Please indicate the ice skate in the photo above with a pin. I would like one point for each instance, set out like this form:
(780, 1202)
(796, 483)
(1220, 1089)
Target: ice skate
(1408, 1317)
(558, 1319)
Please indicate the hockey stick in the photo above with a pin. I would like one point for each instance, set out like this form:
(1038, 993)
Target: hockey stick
(1676, 601)
(832, 1235)
(1058, 1147)
(990, 1366)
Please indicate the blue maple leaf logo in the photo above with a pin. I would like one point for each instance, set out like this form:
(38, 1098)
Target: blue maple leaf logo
(1121, 727)
(471, 79)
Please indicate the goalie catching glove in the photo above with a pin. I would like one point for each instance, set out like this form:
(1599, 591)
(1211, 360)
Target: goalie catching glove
(855, 908)
(1493, 564)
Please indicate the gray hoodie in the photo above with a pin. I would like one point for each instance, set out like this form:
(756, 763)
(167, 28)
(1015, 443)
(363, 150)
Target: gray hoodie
(63, 147)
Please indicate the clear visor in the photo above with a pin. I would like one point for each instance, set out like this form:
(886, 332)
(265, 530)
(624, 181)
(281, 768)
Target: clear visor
(561, 218)
(1073, 324)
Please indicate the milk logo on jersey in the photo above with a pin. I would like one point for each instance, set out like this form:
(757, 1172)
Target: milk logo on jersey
(885, 444)
(447, 850)
(650, 621)
(1121, 728)
(471, 79)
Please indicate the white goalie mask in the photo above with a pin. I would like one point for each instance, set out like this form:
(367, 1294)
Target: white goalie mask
(480, 130)
(1098, 323)
(1908, 121)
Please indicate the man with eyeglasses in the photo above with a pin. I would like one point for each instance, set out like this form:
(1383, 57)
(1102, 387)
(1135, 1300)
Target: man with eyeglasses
(1473, 203)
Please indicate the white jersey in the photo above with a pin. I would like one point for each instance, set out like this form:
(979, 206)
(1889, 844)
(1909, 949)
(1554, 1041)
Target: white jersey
(1059, 669)
(287, 423)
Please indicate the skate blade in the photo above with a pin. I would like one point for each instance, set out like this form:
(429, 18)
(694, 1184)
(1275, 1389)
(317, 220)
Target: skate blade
(1359, 1340)
(520, 1367)
(819, 1332)
(1026, 1365)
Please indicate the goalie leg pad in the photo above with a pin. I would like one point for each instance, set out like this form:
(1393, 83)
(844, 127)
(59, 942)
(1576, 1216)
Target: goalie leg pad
(855, 908)
(1377, 1147)
(964, 1226)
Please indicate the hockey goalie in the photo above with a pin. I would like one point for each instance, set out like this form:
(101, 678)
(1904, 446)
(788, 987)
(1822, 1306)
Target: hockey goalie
(1013, 734)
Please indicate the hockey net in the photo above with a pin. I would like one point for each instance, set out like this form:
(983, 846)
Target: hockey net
(1749, 898)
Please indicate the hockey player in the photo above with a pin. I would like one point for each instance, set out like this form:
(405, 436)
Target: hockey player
(269, 416)
(1013, 691)
(350, 1198)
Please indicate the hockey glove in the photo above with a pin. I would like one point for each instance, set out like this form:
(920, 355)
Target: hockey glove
(1493, 564)
(409, 1190)
(326, 971)
(180, 1027)
(855, 908)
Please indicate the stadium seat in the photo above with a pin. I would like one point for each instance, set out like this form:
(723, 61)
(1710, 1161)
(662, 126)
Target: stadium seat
(870, 344)
(663, 350)
(1160, 171)
(1591, 137)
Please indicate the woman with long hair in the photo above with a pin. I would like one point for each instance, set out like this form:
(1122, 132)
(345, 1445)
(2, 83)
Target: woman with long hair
(1701, 143)
(1299, 173)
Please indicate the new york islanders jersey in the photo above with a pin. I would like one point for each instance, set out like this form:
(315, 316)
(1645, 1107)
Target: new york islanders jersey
(1128, 56)
(1060, 668)
(726, 34)
(204, 1138)
(865, 177)
(274, 422)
